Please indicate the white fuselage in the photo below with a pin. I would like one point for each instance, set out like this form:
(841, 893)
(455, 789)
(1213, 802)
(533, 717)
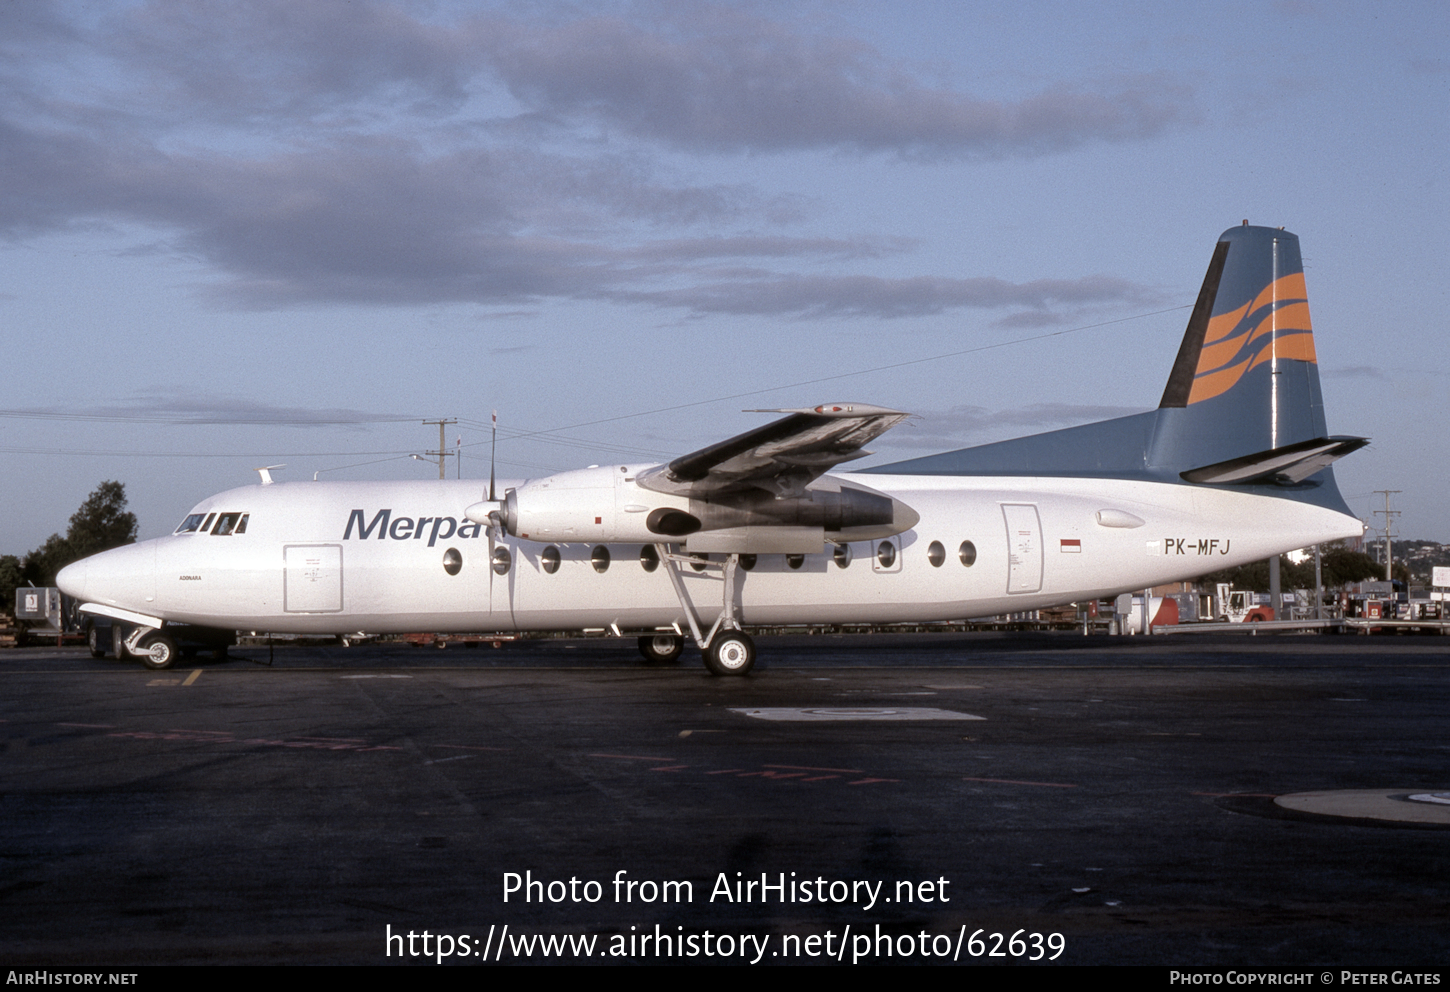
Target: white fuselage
(319, 557)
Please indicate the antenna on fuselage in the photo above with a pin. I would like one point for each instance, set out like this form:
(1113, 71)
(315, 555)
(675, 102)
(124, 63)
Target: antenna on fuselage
(266, 473)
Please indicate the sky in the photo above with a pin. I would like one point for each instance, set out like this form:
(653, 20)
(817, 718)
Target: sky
(237, 235)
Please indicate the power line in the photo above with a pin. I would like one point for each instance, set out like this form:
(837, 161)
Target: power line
(849, 375)
(545, 436)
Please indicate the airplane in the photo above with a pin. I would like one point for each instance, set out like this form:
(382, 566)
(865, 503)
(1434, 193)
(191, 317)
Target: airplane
(1232, 467)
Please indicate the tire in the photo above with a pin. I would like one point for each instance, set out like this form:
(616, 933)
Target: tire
(96, 642)
(159, 652)
(731, 653)
(118, 641)
(661, 649)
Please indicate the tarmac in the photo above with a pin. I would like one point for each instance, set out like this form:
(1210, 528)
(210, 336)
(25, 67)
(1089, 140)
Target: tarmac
(874, 799)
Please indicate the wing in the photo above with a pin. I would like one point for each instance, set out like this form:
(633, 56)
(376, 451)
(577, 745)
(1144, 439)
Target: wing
(781, 457)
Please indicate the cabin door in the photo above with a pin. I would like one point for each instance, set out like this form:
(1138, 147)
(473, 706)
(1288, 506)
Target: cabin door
(312, 578)
(1024, 547)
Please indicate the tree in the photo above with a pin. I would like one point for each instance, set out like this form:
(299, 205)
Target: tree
(100, 524)
(1342, 565)
(1338, 566)
(10, 578)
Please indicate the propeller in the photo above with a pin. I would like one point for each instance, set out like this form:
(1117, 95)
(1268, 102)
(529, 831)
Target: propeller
(495, 520)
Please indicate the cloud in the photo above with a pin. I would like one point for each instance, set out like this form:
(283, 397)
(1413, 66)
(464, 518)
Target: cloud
(364, 152)
(814, 296)
(732, 82)
(700, 77)
(168, 408)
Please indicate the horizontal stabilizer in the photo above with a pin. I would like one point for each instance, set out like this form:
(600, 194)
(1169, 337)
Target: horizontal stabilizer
(1290, 464)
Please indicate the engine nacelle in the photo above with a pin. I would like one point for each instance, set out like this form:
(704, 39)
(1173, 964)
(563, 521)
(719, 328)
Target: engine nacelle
(605, 505)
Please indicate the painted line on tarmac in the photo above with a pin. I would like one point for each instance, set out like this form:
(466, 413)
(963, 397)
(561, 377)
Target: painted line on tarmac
(1013, 781)
(811, 768)
(1389, 805)
(811, 714)
(1228, 795)
(188, 736)
(190, 679)
(770, 773)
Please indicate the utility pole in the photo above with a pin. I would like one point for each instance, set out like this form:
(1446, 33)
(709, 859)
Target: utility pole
(442, 451)
(1389, 517)
(1318, 584)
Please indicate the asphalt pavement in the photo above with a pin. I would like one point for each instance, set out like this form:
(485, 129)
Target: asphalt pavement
(977, 798)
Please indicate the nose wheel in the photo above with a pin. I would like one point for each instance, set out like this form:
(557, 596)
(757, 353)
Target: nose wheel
(158, 652)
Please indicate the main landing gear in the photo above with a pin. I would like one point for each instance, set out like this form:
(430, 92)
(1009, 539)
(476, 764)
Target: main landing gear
(727, 649)
(731, 652)
(661, 649)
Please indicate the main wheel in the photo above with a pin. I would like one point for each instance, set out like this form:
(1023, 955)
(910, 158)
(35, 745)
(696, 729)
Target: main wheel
(731, 653)
(661, 649)
(118, 642)
(158, 652)
(95, 642)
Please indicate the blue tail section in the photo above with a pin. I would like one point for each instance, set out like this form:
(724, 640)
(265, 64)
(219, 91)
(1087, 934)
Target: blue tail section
(1242, 405)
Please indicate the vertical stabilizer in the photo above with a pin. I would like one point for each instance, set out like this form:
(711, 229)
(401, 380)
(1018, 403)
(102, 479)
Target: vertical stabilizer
(1242, 405)
(1246, 379)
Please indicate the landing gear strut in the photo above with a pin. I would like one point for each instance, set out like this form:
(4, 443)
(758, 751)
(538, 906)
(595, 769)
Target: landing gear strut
(727, 649)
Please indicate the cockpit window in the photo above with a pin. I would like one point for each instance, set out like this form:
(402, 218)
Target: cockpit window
(190, 524)
(230, 523)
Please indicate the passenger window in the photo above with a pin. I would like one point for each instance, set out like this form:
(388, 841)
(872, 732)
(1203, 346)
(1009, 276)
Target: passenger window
(747, 562)
(699, 563)
(599, 558)
(550, 559)
(842, 555)
(936, 554)
(886, 554)
(649, 558)
(452, 561)
(501, 561)
(795, 561)
(967, 553)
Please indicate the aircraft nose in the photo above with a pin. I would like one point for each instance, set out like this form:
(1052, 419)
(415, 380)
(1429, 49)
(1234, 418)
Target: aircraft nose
(123, 577)
(72, 579)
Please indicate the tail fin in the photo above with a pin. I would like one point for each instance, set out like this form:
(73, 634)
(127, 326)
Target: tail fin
(1242, 404)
